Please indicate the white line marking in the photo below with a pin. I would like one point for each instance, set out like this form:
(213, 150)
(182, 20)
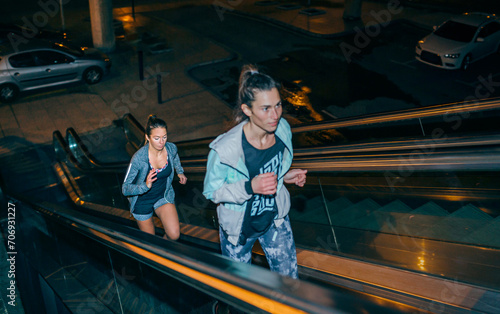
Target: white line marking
(404, 64)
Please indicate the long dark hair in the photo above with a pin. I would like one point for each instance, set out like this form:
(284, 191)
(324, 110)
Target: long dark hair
(153, 123)
(251, 82)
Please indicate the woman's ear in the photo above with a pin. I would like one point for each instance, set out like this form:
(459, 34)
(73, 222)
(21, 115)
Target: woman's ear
(246, 110)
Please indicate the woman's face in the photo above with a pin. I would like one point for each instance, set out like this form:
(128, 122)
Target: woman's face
(266, 110)
(157, 138)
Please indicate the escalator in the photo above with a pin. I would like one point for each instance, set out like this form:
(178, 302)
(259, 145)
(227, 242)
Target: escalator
(389, 219)
(404, 222)
(72, 260)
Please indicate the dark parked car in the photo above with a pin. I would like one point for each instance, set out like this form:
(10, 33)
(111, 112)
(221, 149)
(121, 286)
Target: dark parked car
(42, 64)
(15, 33)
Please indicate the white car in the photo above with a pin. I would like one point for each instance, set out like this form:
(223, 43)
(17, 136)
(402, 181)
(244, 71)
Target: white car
(460, 41)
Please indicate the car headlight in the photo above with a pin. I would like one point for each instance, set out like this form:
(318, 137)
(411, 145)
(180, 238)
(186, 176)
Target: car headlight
(452, 55)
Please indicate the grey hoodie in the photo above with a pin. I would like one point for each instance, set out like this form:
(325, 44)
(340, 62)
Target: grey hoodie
(134, 184)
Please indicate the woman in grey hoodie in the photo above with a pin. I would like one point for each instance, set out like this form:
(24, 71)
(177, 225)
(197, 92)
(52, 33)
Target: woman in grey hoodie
(148, 182)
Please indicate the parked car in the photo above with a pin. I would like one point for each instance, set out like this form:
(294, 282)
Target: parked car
(17, 33)
(42, 64)
(460, 41)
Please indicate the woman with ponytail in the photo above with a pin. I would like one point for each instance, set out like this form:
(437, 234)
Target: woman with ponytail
(246, 171)
(148, 182)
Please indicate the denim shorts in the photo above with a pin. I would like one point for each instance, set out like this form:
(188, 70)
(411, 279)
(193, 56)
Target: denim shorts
(142, 217)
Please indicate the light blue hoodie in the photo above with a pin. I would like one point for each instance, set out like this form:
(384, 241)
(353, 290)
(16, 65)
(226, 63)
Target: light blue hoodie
(227, 173)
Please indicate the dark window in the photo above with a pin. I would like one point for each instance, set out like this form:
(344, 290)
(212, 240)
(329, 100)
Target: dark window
(456, 31)
(22, 60)
(48, 57)
(489, 29)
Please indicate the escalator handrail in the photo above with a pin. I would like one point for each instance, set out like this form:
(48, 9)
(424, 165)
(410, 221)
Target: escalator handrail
(82, 154)
(464, 160)
(409, 144)
(132, 127)
(383, 156)
(64, 153)
(206, 271)
(402, 162)
(467, 159)
(401, 115)
(133, 130)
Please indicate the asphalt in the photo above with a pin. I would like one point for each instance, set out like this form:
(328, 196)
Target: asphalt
(189, 108)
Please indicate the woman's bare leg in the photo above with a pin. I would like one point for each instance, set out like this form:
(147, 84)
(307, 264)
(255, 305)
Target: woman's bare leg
(170, 220)
(147, 225)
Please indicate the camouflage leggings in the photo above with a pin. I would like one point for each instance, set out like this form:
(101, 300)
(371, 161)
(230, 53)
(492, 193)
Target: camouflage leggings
(277, 243)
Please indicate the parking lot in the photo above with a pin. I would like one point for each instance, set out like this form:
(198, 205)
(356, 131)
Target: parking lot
(381, 76)
(393, 53)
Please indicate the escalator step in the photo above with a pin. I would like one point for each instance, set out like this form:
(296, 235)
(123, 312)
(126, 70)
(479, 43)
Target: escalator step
(432, 209)
(419, 222)
(356, 211)
(384, 216)
(488, 235)
(459, 224)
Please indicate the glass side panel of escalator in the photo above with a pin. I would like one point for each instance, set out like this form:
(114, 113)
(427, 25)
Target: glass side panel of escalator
(90, 277)
(444, 224)
(440, 223)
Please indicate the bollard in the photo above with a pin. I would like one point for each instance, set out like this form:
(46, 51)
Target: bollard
(141, 65)
(158, 84)
(133, 10)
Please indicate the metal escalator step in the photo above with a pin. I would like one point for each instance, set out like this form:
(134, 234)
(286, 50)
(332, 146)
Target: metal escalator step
(356, 211)
(459, 224)
(488, 235)
(432, 209)
(313, 211)
(395, 206)
(384, 216)
(338, 205)
(419, 221)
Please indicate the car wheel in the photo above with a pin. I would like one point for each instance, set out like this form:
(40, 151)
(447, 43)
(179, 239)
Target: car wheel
(8, 93)
(466, 62)
(92, 75)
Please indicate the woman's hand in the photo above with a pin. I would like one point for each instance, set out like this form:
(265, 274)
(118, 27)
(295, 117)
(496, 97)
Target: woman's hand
(297, 176)
(151, 178)
(183, 178)
(265, 183)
